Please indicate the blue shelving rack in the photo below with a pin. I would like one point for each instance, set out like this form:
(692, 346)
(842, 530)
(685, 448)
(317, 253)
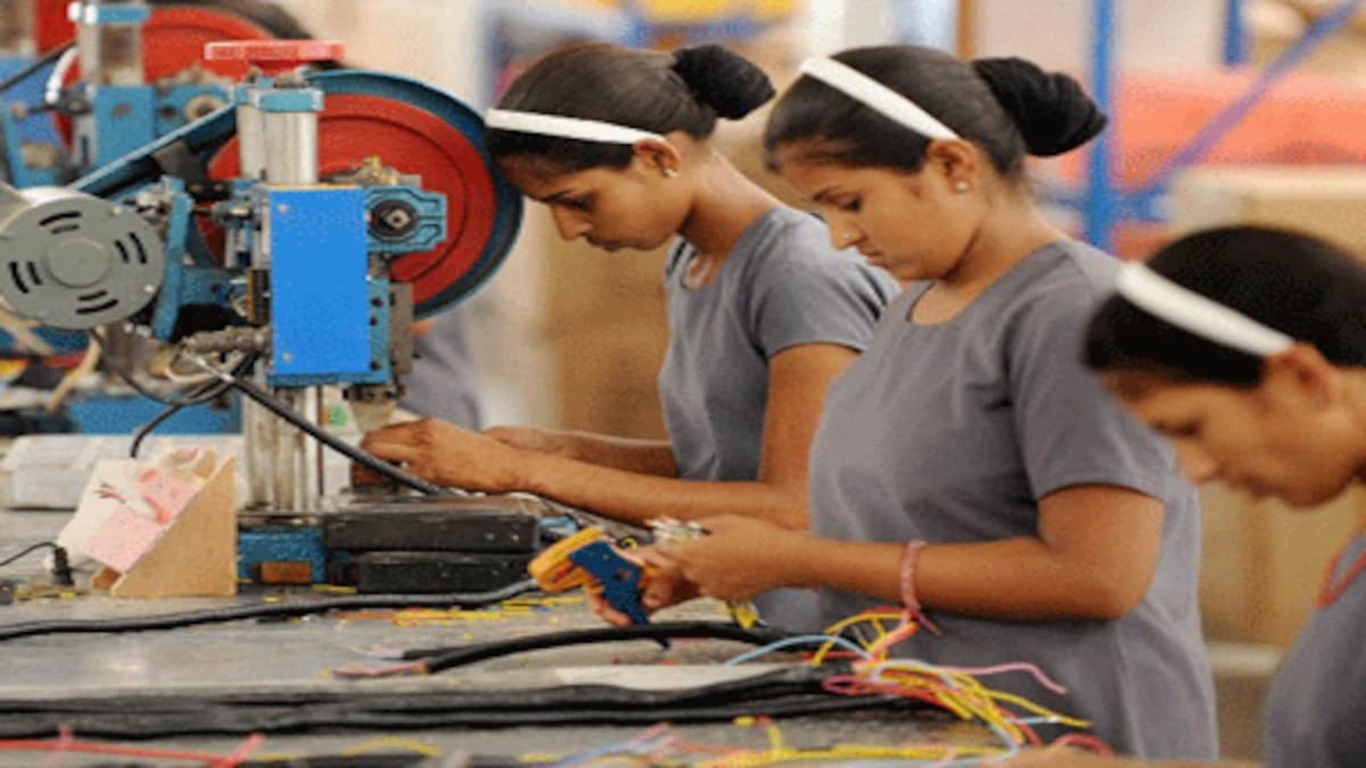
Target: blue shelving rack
(1101, 202)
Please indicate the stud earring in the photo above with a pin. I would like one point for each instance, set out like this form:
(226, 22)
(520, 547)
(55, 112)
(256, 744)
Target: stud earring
(961, 187)
(670, 173)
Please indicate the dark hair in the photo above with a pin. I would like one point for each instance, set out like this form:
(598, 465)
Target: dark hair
(1302, 286)
(685, 91)
(1008, 107)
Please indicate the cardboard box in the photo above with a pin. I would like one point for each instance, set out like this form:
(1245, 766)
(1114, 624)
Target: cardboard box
(1328, 201)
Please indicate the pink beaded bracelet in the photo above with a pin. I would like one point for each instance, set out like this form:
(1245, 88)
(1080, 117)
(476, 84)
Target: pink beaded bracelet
(908, 597)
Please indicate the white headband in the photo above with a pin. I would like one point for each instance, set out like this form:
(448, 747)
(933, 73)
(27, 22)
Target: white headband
(861, 87)
(1198, 314)
(566, 127)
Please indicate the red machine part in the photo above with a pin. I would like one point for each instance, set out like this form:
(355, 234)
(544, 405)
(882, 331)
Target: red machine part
(173, 38)
(353, 128)
(275, 57)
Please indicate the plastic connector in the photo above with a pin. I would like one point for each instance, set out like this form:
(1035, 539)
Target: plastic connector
(61, 568)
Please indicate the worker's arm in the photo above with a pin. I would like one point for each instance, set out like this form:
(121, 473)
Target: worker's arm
(1094, 558)
(646, 457)
(798, 379)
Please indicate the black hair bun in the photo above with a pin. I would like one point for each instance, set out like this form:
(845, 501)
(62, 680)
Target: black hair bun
(723, 80)
(1052, 111)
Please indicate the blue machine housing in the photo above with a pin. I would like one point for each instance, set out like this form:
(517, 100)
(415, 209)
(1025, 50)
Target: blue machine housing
(320, 302)
(34, 129)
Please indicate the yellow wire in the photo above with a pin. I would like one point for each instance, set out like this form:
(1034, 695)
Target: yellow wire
(850, 752)
(838, 627)
(392, 742)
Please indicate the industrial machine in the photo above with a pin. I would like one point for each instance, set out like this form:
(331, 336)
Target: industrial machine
(283, 242)
(82, 84)
(87, 82)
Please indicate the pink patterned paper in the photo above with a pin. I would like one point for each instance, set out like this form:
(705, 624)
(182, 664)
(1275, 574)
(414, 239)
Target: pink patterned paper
(123, 539)
(167, 495)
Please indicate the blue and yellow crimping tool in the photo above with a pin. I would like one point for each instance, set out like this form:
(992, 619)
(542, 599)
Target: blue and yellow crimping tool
(588, 560)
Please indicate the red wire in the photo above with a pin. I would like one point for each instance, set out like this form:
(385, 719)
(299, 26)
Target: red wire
(248, 745)
(22, 745)
(1086, 741)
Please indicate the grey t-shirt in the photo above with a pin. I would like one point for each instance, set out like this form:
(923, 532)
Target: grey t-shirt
(780, 286)
(951, 433)
(444, 383)
(1316, 710)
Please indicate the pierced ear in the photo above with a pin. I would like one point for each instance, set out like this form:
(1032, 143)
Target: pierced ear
(959, 161)
(1304, 367)
(660, 156)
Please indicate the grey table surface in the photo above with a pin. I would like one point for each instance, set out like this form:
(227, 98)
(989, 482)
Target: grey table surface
(298, 654)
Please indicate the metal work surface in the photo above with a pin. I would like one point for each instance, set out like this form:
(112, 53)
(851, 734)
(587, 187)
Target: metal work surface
(297, 655)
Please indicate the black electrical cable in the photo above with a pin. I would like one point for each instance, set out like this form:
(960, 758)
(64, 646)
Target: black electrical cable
(108, 723)
(327, 438)
(441, 659)
(267, 610)
(34, 66)
(131, 380)
(788, 680)
(27, 551)
(204, 394)
(198, 718)
(317, 433)
(791, 691)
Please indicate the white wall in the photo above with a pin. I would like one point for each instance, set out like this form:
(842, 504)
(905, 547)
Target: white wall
(1152, 34)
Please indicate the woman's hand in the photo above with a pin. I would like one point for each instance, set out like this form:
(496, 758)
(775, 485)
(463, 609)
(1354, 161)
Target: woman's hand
(533, 439)
(664, 586)
(448, 455)
(739, 557)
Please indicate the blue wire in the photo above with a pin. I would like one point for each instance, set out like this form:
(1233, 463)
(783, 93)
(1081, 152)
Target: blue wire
(799, 640)
(629, 746)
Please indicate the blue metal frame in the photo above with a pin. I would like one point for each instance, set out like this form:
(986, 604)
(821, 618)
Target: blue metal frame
(37, 127)
(1101, 203)
(186, 284)
(1235, 34)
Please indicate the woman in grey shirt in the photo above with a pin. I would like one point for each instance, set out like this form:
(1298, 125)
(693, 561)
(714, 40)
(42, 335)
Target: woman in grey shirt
(968, 464)
(763, 313)
(1246, 347)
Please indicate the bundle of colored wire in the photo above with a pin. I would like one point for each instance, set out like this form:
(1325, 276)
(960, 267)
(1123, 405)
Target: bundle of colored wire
(952, 689)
